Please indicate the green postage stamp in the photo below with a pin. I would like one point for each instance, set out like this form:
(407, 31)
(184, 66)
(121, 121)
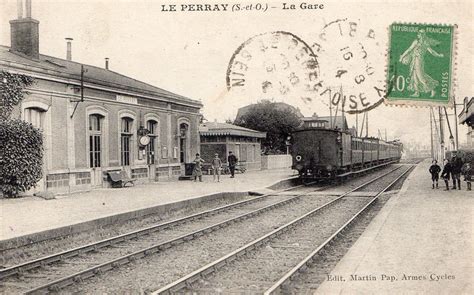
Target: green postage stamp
(420, 70)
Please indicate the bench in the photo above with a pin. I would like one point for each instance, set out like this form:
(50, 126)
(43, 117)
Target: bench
(120, 178)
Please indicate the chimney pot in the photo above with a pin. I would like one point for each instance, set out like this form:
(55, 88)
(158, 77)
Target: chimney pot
(20, 8)
(106, 63)
(28, 8)
(69, 48)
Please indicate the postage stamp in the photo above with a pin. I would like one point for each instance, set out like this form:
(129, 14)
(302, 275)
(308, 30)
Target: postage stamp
(420, 70)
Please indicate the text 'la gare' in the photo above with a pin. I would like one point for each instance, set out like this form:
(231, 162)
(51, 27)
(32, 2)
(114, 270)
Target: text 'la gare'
(303, 5)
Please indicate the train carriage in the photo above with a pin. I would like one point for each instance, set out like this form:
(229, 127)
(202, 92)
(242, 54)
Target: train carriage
(325, 153)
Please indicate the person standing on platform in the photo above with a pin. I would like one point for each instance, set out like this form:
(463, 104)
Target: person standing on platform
(216, 167)
(467, 172)
(435, 170)
(197, 171)
(232, 161)
(447, 170)
(456, 171)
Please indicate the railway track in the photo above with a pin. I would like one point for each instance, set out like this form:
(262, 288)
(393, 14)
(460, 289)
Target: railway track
(72, 267)
(48, 273)
(268, 263)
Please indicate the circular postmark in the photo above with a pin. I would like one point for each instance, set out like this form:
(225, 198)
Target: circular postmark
(275, 65)
(352, 66)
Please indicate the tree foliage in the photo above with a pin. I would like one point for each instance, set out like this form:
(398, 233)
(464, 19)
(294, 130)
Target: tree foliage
(21, 156)
(12, 91)
(277, 122)
(21, 144)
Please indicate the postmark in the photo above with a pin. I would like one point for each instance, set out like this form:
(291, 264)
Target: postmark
(420, 64)
(275, 65)
(352, 66)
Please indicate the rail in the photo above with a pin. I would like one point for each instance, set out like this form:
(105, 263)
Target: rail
(211, 267)
(21, 268)
(308, 259)
(101, 268)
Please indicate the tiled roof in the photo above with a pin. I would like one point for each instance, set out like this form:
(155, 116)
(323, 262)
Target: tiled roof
(57, 67)
(215, 128)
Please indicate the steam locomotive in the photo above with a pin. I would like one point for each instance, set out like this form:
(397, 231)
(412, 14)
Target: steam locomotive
(320, 153)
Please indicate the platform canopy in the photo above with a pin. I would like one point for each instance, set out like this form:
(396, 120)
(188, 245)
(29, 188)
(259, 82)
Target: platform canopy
(225, 129)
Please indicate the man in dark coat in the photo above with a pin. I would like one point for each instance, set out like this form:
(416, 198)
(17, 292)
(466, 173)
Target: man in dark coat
(456, 163)
(447, 170)
(435, 170)
(232, 161)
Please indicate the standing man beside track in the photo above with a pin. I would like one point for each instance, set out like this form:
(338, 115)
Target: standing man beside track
(232, 161)
(216, 167)
(457, 164)
(197, 171)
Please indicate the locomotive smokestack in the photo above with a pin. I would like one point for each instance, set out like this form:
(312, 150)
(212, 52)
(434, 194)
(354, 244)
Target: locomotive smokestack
(69, 48)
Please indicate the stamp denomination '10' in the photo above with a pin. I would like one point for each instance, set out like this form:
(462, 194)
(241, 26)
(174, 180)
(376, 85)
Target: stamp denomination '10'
(420, 64)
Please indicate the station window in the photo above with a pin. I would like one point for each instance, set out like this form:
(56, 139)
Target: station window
(150, 148)
(95, 140)
(125, 139)
(35, 116)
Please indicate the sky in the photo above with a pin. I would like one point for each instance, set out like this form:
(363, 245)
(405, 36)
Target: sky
(188, 52)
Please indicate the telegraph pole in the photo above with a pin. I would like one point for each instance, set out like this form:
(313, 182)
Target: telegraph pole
(441, 132)
(456, 147)
(357, 123)
(330, 109)
(431, 133)
(367, 125)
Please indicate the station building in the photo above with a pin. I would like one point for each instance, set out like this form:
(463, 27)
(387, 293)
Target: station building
(221, 138)
(467, 117)
(95, 120)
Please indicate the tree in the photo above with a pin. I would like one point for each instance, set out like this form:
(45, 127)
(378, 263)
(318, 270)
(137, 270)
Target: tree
(21, 144)
(276, 121)
(12, 91)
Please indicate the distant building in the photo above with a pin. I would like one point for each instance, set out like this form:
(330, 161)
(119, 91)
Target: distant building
(221, 138)
(121, 123)
(467, 117)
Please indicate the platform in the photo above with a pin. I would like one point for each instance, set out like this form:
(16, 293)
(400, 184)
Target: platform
(29, 219)
(421, 242)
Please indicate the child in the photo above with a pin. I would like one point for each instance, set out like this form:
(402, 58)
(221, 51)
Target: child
(435, 170)
(467, 171)
(216, 167)
(447, 170)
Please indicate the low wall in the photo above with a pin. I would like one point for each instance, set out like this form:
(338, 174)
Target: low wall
(276, 161)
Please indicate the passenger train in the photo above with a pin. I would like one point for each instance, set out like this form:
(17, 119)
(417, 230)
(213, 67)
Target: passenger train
(327, 153)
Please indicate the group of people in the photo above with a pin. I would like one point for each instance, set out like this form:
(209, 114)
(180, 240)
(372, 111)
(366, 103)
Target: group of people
(216, 166)
(453, 169)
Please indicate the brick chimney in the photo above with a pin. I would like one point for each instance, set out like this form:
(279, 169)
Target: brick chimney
(25, 31)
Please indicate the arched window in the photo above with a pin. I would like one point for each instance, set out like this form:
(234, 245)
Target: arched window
(95, 140)
(35, 116)
(183, 141)
(126, 132)
(152, 127)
